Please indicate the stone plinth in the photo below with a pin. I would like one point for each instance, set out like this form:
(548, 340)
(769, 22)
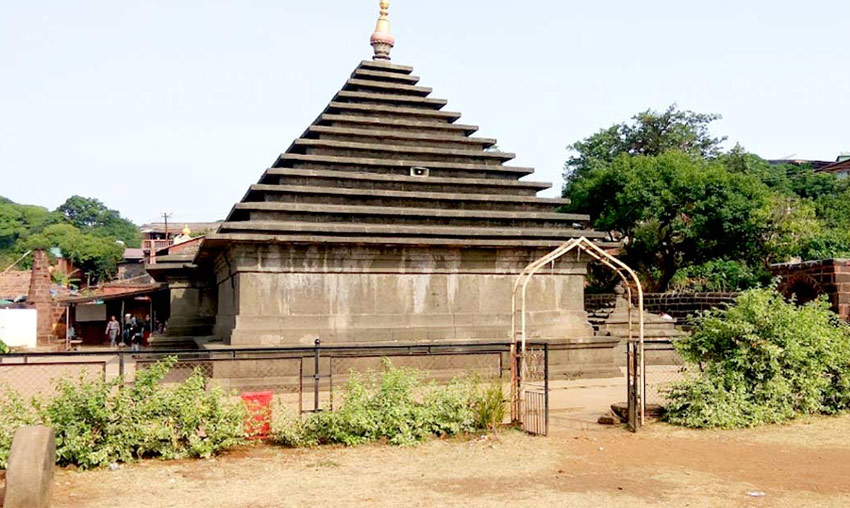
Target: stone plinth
(289, 295)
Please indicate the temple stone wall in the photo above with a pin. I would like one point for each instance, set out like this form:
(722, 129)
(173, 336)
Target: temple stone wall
(284, 295)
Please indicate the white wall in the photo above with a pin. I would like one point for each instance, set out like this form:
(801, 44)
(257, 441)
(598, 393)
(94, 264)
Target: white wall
(18, 327)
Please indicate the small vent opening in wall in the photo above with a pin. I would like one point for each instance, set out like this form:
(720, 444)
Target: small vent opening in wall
(419, 171)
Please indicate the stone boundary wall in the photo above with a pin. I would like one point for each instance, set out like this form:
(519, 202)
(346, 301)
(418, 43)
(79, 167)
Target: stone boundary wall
(809, 279)
(678, 305)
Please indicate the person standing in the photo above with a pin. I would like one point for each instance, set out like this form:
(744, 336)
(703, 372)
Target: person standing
(113, 328)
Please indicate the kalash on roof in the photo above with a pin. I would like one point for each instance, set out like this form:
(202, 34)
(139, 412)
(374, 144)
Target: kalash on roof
(385, 164)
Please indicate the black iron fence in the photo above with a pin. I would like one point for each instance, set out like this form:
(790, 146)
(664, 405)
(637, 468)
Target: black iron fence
(303, 378)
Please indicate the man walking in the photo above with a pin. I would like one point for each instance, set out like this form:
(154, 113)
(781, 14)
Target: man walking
(113, 328)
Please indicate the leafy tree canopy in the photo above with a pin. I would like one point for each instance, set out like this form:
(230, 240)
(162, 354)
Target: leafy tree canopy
(649, 133)
(84, 229)
(93, 254)
(690, 214)
(91, 215)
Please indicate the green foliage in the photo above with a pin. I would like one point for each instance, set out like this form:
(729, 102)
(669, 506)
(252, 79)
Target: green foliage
(14, 413)
(650, 133)
(662, 185)
(92, 216)
(93, 254)
(18, 222)
(395, 406)
(99, 422)
(763, 360)
(4, 349)
(717, 275)
(490, 409)
(673, 211)
(83, 228)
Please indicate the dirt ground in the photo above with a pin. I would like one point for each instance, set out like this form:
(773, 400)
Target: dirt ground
(803, 464)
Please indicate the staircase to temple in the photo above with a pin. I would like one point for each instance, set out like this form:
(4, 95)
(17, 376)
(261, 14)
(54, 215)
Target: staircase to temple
(613, 321)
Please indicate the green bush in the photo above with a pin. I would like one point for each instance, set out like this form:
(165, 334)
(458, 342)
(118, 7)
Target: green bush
(716, 275)
(490, 407)
(762, 360)
(395, 406)
(14, 413)
(99, 422)
(4, 349)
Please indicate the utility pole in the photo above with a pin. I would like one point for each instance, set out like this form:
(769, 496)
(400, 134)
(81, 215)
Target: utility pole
(166, 216)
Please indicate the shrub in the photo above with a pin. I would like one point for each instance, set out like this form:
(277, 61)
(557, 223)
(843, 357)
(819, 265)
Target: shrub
(490, 407)
(98, 422)
(763, 360)
(4, 349)
(14, 413)
(716, 275)
(395, 406)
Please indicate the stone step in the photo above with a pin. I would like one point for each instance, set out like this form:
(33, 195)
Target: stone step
(405, 198)
(370, 84)
(391, 111)
(401, 150)
(386, 98)
(385, 76)
(400, 124)
(437, 168)
(395, 135)
(398, 212)
(394, 230)
(220, 240)
(385, 66)
(361, 180)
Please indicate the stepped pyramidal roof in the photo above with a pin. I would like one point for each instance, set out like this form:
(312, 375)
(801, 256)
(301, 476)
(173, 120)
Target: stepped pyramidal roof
(386, 164)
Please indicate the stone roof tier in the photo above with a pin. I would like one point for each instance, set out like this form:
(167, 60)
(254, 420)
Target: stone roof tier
(384, 163)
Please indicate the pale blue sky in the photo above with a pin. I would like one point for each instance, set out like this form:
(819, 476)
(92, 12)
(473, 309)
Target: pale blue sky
(179, 106)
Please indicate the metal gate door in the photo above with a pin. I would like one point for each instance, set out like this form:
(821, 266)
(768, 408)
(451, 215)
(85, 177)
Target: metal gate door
(535, 390)
(635, 384)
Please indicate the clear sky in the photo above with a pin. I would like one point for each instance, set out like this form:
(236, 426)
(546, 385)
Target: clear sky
(178, 106)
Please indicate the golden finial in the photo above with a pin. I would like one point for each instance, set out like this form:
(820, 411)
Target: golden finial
(382, 40)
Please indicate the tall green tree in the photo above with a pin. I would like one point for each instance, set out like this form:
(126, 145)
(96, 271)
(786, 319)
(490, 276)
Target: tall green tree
(648, 133)
(675, 210)
(94, 255)
(91, 215)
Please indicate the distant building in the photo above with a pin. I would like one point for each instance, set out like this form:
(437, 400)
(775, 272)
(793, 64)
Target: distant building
(157, 235)
(816, 165)
(840, 168)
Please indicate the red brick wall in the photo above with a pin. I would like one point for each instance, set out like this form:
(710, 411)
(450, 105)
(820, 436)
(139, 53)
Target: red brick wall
(829, 277)
(39, 295)
(14, 283)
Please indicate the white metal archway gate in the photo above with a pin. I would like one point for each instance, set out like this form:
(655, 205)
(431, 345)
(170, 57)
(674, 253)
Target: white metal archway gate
(525, 386)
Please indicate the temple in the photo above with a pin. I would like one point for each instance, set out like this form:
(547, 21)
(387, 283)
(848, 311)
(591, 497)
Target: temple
(387, 220)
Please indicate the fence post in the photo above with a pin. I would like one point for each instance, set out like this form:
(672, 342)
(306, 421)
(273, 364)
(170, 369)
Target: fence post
(546, 385)
(316, 376)
(120, 365)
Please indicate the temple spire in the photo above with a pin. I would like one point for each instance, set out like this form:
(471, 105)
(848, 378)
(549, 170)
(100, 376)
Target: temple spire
(382, 40)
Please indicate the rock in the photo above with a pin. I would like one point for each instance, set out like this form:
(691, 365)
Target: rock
(621, 410)
(607, 419)
(29, 474)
